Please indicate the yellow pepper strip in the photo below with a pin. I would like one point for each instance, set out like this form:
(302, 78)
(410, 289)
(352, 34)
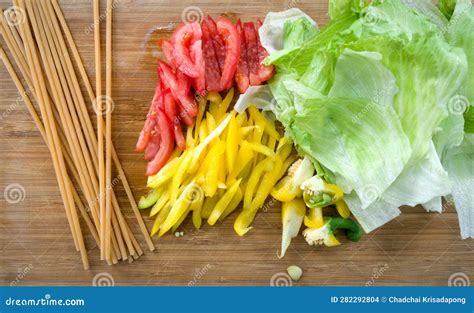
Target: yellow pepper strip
(199, 117)
(268, 181)
(221, 171)
(189, 137)
(260, 148)
(211, 122)
(208, 206)
(242, 119)
(343, 209)
(213, 108)
(203, 132)
(224, 105)
(232, 143)
(232, 205)
(196, 207)
(214, 97)
(178, 175)
(261, 120)
(285, 190)
(262, 167)
(271, 143)
(245, 131)
(286, 164)
(244, 156)
(292, 214)
(243, 221)
(160, 218)
(160, 204)
(223, 203)
(181, 220)
(314, 218)
(165, 173)
(180, 206)
(211, 174)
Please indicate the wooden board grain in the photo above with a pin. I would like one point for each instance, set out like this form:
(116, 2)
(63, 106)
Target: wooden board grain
(36, 247)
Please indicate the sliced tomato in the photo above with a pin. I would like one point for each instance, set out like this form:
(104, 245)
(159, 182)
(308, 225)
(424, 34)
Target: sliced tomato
(150, 122)
(228, 33)
(183, 115)
(153, 145)
(172, 113)
(252, 52)
(265, 72)
(170, 81)
(199, 83)
(167, 48)
(242, 72)
(166, 144)
(212, 71)
(217, 42)
(182, 39)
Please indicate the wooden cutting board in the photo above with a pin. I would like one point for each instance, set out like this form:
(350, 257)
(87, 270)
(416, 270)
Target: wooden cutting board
(36, 247)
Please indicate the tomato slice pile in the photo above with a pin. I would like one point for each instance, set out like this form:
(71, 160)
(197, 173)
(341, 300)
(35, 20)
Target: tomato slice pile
(207, 56)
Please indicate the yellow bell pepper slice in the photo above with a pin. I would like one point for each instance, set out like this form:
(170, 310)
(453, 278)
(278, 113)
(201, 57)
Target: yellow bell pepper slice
(243, 221)
(181, 220)
(160, 218)
(224, 105)
(260, 148)
(214, 97)
(232, 143)
(262, 167)
(178, 176)
(259, 119)
(180, 206)
(342, 208)
(267, 183)
(244, 156)
(196, 207)
(314, 218)
(165, 173)
(160, 204)
(211, 175)
(244, 131)
(208, 206)
(199, 117)
(242, 119)
(286, 191)
(232, 205)
(223, 203)
(211, 122)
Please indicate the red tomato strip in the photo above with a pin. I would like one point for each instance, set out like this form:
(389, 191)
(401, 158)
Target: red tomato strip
(252, 52)
(265, 72)
(212, 72)
(217, 42)
(153, 145)
(242, 73)
(232, 51)
(166, 145)
(182, 38)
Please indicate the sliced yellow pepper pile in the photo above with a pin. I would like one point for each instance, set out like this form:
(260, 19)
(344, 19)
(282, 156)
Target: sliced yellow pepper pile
(230, 158)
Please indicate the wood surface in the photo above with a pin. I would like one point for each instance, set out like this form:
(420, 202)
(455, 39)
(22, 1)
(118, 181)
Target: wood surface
(36, 247)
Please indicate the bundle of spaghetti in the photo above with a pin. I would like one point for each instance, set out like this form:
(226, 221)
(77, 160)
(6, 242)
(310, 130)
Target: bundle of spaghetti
(41, 54)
